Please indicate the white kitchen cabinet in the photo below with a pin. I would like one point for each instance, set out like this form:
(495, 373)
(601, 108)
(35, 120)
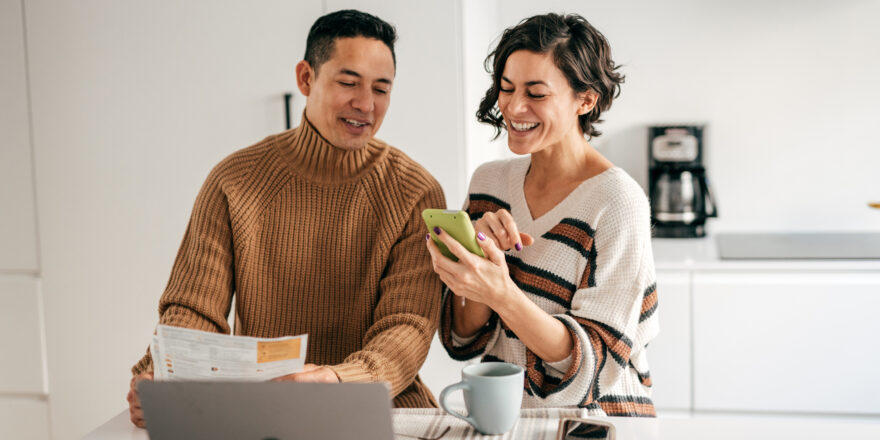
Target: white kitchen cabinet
(24, 418)
(22, 369)
(670, 353)
(786, 341)
(18, 243)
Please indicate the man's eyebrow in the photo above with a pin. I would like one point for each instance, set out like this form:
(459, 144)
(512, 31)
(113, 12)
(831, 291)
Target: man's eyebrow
(530, 83)
(358, 75)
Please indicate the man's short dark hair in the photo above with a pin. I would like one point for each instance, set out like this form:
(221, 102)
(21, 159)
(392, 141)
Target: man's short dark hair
(347, 23)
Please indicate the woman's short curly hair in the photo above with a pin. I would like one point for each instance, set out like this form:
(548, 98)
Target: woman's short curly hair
(579, 50)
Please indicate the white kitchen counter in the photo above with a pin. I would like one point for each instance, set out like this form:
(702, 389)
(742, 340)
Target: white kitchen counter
(702, 253)
(633, 428)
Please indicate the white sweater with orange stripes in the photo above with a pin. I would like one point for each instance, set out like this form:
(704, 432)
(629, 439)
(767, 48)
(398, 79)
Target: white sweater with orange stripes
(591, 267)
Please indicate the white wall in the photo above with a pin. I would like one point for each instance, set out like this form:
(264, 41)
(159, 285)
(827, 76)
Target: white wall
(788, 88)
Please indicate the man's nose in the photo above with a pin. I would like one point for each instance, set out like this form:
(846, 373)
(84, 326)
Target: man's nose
(363, 100)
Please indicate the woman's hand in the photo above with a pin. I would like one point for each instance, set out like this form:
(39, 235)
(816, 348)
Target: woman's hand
(499, 227)
(483, 280)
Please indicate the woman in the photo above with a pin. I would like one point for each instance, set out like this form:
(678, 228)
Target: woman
(572, 296)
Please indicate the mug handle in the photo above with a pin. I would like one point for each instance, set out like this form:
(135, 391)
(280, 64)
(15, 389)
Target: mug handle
(450, 389)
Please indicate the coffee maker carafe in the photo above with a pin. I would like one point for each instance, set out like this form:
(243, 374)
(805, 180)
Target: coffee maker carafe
(681, 199)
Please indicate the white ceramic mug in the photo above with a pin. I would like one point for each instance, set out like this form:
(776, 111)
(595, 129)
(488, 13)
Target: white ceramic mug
(492, 396)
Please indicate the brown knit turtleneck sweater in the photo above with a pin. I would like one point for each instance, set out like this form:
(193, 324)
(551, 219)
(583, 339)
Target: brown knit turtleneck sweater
(318, 240)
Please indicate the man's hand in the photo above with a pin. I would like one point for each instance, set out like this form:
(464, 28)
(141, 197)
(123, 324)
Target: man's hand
(134, 401)
(311, 373)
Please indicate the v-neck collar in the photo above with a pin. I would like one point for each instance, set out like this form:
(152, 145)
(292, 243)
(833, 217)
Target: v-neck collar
(520, 207)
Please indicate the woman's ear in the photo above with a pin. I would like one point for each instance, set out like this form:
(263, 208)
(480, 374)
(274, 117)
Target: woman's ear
(305, 75)
(588, 101)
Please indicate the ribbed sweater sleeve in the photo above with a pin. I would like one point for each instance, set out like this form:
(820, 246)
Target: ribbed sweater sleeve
(408, 311)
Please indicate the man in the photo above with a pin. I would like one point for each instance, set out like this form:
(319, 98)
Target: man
(317, 230)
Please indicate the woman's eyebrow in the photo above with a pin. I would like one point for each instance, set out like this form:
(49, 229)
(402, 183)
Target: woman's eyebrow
(530, 83)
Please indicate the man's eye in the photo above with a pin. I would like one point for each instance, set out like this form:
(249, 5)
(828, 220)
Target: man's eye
(346, 84)
(381, 91)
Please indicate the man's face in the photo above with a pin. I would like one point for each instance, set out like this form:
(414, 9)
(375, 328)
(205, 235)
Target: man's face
(348, 97)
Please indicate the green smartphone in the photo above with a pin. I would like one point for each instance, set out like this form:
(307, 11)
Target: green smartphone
(455, 223)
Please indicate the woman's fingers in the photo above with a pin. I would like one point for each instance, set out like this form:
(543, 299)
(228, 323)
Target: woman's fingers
(452, 244)
(510, 227)
(527, 239)
(492, 227)
(502, 229)
(442, 265)
(483, 227)
(492, 252)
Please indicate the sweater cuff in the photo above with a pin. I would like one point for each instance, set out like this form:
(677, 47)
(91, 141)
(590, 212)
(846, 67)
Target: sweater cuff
(145, 365)
(351, 373)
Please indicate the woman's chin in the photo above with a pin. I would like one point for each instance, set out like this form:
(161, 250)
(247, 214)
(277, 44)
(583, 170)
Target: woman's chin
(521, 148)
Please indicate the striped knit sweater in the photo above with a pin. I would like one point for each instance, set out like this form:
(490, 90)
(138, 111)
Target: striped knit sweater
(591, 267)
(314, 239)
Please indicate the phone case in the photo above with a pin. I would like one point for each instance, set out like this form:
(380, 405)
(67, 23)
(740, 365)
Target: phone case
(455, 223)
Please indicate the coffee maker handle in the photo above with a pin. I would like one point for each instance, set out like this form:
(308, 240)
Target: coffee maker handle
(710, 208)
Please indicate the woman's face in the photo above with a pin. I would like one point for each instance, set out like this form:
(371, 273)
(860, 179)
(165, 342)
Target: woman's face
(540, 108)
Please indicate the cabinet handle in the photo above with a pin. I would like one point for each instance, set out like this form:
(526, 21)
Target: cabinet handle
(287, 97)
(875, 205)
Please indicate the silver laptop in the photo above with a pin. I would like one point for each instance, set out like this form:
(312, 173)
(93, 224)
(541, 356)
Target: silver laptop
(266, 410)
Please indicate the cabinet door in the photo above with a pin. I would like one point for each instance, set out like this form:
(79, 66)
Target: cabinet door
(18, 243)
(670, 353)
(787, 341)
(22, 366)
(25, 418)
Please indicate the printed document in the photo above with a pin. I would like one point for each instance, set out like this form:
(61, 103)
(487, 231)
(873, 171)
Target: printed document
(185, 354)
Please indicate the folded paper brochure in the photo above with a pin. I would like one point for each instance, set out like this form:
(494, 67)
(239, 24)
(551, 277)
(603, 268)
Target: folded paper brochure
(186, 354)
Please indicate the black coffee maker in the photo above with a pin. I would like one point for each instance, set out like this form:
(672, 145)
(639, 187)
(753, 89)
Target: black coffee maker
(681, 199)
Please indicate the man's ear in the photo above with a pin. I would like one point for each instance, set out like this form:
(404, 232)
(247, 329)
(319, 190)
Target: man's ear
(305, 77)
(589, 100)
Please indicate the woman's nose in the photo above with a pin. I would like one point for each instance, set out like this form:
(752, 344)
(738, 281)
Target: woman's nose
(516, 104)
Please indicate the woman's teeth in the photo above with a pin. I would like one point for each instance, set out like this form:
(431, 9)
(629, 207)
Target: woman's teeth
(523, 126)
(355, 123)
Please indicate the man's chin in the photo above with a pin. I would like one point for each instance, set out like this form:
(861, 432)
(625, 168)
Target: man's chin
(352, 143)
(351, 146)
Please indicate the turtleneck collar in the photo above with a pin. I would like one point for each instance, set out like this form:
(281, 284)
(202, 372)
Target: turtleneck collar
(310, 155)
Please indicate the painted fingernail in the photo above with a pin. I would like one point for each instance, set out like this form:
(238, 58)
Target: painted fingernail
(518, 246)
(481, 236)
(437, 230)
(427, 237)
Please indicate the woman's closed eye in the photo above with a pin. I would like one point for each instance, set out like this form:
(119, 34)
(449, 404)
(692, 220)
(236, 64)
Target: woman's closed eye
(529, 94)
